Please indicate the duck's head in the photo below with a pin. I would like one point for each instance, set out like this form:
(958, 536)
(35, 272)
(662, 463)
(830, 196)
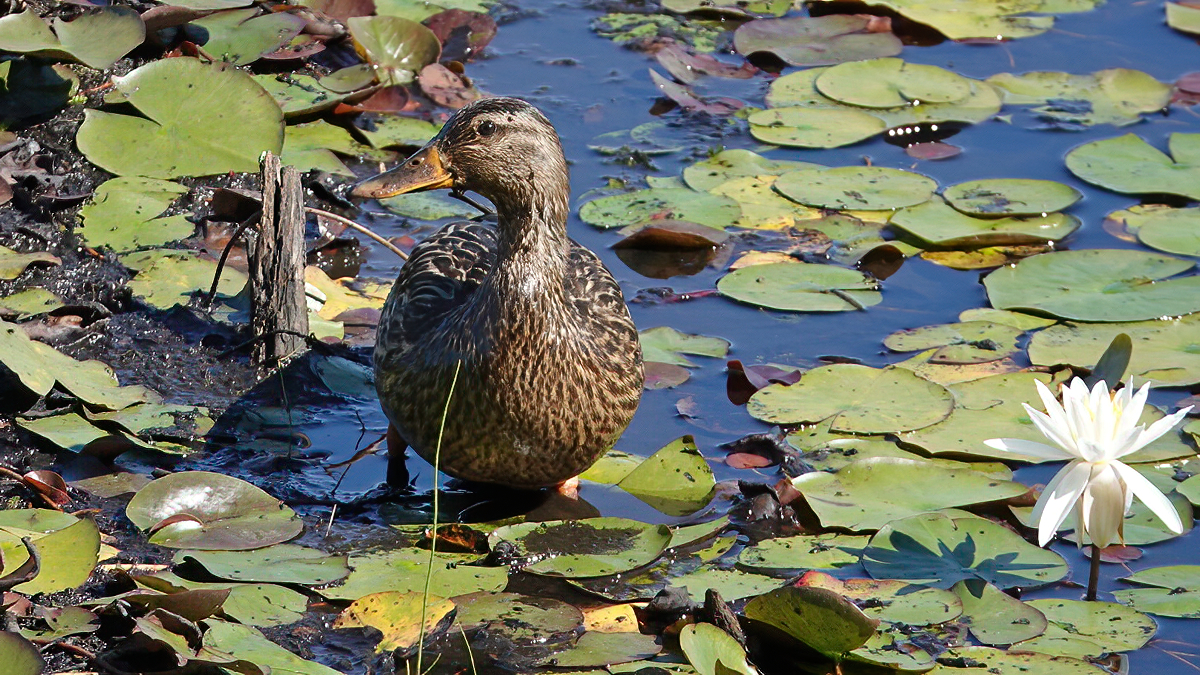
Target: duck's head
(502, 148)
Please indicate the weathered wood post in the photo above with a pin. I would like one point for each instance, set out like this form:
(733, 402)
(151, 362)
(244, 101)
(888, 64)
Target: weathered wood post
(278, 311)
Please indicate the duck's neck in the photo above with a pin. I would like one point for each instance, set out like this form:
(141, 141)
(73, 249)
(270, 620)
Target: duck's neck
(533, 245)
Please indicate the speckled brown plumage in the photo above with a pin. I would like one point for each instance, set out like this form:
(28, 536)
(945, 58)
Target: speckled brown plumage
(551, 365)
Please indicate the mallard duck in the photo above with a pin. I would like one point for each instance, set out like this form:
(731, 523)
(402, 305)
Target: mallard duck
(551, 367)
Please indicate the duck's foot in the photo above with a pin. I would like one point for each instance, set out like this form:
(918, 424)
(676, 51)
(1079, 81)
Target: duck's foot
(569, 488)
(397, 470)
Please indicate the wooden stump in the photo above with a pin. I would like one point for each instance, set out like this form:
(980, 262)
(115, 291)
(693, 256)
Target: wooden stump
(277, 300)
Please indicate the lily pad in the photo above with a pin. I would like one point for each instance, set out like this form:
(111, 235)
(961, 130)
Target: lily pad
(171, 278)
(801, 287)
(31, 301)
(868, 188)
(238, 122)
(124, 214)
(280, 564)
(870, 493)
(72, 432)
(300, 94)
(405, 570)
(1183, 17)
(97, 39)
(212, 512)
(937, 550)
(248, 644)
(13, 264)
(428, 206)
(676, 480)
(785, 556)
(1118, 96)
(1102, 285)
(737, 163)
(597, 648)
(252, 604)
(1130, 165)
(889, 600)
(1080, 628)
(591, 547)
(813, 128)
(712, 651)
(762, 207)
(19, 655)
(241, 36)
(995, 617)
(816, 41)
(403, 618)
(667, 345)
(1173, 231)
(1010, 197)
(632, 208)
(312, 146)
(68, 554)
(890, 83)
(967, 19)
(523, 619)
(1174, 591)
(968, 342)
(1166, 352)
(860, 400)
(398, 48)
(30, 90)
(939, 225)
(817, 617)
(733, 8)
(970, 660)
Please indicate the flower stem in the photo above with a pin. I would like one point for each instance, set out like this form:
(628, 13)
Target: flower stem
(1094, 575)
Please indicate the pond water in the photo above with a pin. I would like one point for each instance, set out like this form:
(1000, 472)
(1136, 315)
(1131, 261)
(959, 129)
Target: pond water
(587, 86)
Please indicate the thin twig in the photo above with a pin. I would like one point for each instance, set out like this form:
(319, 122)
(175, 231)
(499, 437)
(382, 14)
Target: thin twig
(309, 338)
(9, 473)
(361, 228)
(462, 197)
(212, 292)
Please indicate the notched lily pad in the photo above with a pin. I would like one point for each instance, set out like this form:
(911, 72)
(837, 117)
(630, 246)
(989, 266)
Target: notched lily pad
(1130, 165)
(1166, 352)
(640, 206)
(863, 188)
(813, 128)
(590, 547)
(956, 343)
(938, 225)
(1011, 197)
(801, 287)
(890, 83)
(1117, 96)
(816, 41)
(1172, 591)
(97, 39)
(676, 480)
(125, 214)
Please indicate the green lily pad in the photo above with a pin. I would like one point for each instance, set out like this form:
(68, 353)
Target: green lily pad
(786, 556)
(895, 647)
(667, 345)
(124, 214)
(259, 605)
(1081, 629)
(97, 39)
(29, 302)
(737, 163)
(817, 617)
(865, 188)
(170, 278)
(762, 207)
(861, 400)
(397, 131)
(300, 94)
(68, 554)
(1174, 591)
(676, 480)
(72, 432)
(632, 208)
(869, 493)
(280, 564)
(398, 48)
(801, 287)
(405, 570)
(1183, 17)
(19, 655)
(13, 264)
(734, 8)
(1166, 352)
(428, 206)
(29, 89)
(890, 83)
(1174, 231)
(702, 35)
(968, 342)
(816, 41)
(241, 36)
(995, 617)
(1118, 96)
(813, 128)
(312, 146)
(591, 547)
(967, 19)
(1102, 285)
(219, 513)
(712, 651)
(971, 660)
(597, 648)
(837, 453)
(1130, 165)
(891, 601)
(523, 619)
(612, 467)
(936, 223)
(1010, 197)
(248, 644)
(402, 618)
(1014, 319)
(238, 122)
(936, 550)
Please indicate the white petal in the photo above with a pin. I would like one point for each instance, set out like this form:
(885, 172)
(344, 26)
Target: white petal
(1029, 448)
(1131, 409)
(1057, 434)
(1053, 408)
(1140, 486)
(1157, 429)
(1104, 506)
(1060, 495)
(1075, 401)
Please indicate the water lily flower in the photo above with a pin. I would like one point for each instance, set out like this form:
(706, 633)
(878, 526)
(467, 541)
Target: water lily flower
(1094, 430)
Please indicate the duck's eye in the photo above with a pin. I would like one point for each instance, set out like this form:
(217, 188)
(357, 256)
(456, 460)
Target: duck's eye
(486, 128)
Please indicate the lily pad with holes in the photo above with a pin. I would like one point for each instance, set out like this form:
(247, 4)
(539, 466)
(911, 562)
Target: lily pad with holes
(632, 208)
(786, 556)
(1080, 629)
(237, 122)
(406, 569)
(938, 225)
(820, 618)
(1172, 591)
(1130, 165)
(1165, 352)
(859, 399)
(97, 39)
(590, 547)
(1010, 197)
(522, 618)
(956, 343)
(801, 287)
(667, 345)
(125, 214)
(995, 617)
(813, 128)
(402, 618)
(211, 512)
(890, 600)
(398, 48)
(676, 480)
(279, 564)
(937, 550)
(1101, 285)
(869, 493)
(816, 41)
(890, 83)
(1117, 96)
(737, 163)
(241, 36)
(863, 188)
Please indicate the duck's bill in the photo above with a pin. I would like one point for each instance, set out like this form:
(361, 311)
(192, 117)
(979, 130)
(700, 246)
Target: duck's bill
(422, 171)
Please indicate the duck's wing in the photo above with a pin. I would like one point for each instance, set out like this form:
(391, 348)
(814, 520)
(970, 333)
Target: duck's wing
(597, 298)
(440, 274)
